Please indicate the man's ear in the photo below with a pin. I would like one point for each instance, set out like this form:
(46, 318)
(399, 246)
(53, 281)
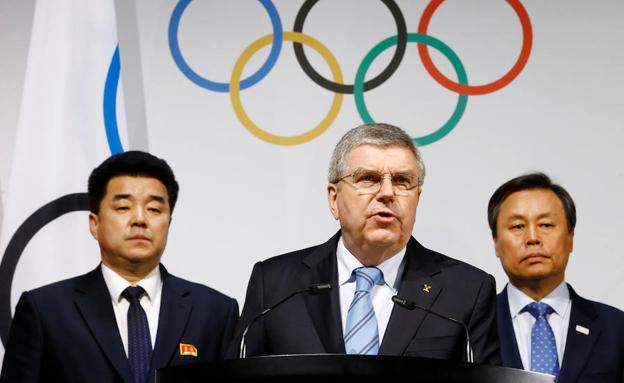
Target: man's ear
(495, 246)
(332, 199)
(94, 223)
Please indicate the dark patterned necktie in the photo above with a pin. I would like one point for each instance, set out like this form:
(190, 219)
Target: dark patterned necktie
(543, 345)
(139, 341)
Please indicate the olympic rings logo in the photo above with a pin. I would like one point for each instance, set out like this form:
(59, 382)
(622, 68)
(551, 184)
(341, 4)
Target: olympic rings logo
(360, 84)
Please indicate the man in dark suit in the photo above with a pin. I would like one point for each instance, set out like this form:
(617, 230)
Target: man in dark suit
(129, 316)
(375, 180)
(543, 324)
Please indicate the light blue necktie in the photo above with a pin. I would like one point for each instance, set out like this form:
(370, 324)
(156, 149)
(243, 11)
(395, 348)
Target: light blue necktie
(361, 332)
(139, 340)
(543, 345)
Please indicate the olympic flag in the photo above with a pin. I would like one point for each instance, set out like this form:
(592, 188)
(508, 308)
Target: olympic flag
(61, 136)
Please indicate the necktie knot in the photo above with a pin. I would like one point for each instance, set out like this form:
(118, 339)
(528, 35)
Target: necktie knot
(133, 293)
(539, 309)
(366, 278)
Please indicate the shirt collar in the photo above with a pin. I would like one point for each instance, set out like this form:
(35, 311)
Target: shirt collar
(558, 299)
(390, 268)
(117, 284)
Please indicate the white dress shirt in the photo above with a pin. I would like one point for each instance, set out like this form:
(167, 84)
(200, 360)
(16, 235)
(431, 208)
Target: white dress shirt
(381, 293)
(559, 300)
(150, 301)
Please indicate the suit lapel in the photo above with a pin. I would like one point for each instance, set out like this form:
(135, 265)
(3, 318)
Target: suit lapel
(94, 304)
(419, 276)
(578, 345)
(175, 311)
(509, 345)
(324, 309)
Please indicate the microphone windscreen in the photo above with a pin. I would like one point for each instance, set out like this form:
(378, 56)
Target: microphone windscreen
(319, 288)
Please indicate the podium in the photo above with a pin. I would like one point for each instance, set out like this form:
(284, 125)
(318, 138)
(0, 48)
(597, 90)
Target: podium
(324, 368)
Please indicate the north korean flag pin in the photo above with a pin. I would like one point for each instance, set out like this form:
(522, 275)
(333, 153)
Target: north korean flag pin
(188, 350)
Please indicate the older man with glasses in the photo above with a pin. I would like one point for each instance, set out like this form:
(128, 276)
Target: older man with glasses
(375, 180)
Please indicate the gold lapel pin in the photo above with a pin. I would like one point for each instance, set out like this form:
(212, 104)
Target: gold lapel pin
(427, 288)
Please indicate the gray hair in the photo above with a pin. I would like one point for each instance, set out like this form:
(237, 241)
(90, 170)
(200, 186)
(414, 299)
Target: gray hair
(376, 134)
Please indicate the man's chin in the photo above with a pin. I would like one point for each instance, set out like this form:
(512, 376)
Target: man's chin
(536, 273)
(384, 239)
(139, 257)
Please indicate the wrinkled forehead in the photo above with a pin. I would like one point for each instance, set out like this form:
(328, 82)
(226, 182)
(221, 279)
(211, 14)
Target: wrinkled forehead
(532, 203)
(386, 158)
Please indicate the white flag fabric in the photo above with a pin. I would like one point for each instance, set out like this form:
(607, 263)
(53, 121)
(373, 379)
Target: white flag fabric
(61, 137)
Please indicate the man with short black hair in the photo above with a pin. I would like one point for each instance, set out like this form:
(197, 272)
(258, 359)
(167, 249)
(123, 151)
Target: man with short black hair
(544, 326)
(129, 316)
(375, 179)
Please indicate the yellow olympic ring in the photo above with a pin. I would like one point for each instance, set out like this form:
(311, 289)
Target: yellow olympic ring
(263, 134)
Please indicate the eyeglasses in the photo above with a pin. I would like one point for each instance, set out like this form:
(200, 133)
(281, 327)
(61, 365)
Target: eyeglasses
(369, 181)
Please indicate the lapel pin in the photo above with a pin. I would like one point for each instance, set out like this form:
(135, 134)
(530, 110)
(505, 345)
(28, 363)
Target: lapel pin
(582, 330)
(427, 288)
(188, 349)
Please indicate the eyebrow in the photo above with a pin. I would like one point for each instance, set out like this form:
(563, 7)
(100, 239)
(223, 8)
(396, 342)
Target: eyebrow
(406, 171)
(152, 197)
(157, 198)
(520, 216)
(118, 197)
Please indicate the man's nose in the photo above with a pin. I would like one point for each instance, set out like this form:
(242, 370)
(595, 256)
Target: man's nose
(533, 235)
(386, 189)
(138, 217)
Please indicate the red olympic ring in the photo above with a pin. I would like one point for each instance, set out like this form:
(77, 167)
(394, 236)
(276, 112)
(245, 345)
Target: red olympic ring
(527, 42)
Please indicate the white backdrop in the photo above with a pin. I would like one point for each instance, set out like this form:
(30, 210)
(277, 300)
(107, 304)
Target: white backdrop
(244, 199)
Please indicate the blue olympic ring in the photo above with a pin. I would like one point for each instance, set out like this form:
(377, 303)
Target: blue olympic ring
(174, 46)
(110, 104)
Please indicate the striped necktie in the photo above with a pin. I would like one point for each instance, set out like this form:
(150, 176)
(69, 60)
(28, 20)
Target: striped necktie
(361, 332)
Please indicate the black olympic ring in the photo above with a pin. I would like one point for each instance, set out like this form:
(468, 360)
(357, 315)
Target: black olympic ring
(368, 85)
(27, 230)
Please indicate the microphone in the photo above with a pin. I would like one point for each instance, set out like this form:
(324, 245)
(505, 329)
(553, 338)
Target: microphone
(407, 304)
(312, 290)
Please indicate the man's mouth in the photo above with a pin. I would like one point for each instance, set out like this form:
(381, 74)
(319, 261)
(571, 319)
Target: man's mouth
(139, 237)
(534, 257)
(386, 213)
(383, 216)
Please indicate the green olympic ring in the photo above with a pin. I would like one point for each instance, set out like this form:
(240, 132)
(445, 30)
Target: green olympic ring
(462, 100)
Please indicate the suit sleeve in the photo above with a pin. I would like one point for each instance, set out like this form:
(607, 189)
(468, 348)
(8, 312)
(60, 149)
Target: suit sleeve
(482, 325)
(228, 330)
(254, 304)
(24, 349)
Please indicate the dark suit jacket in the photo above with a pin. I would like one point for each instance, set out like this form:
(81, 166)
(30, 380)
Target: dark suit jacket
(67, 331)
(312, 324)
(594, 358)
